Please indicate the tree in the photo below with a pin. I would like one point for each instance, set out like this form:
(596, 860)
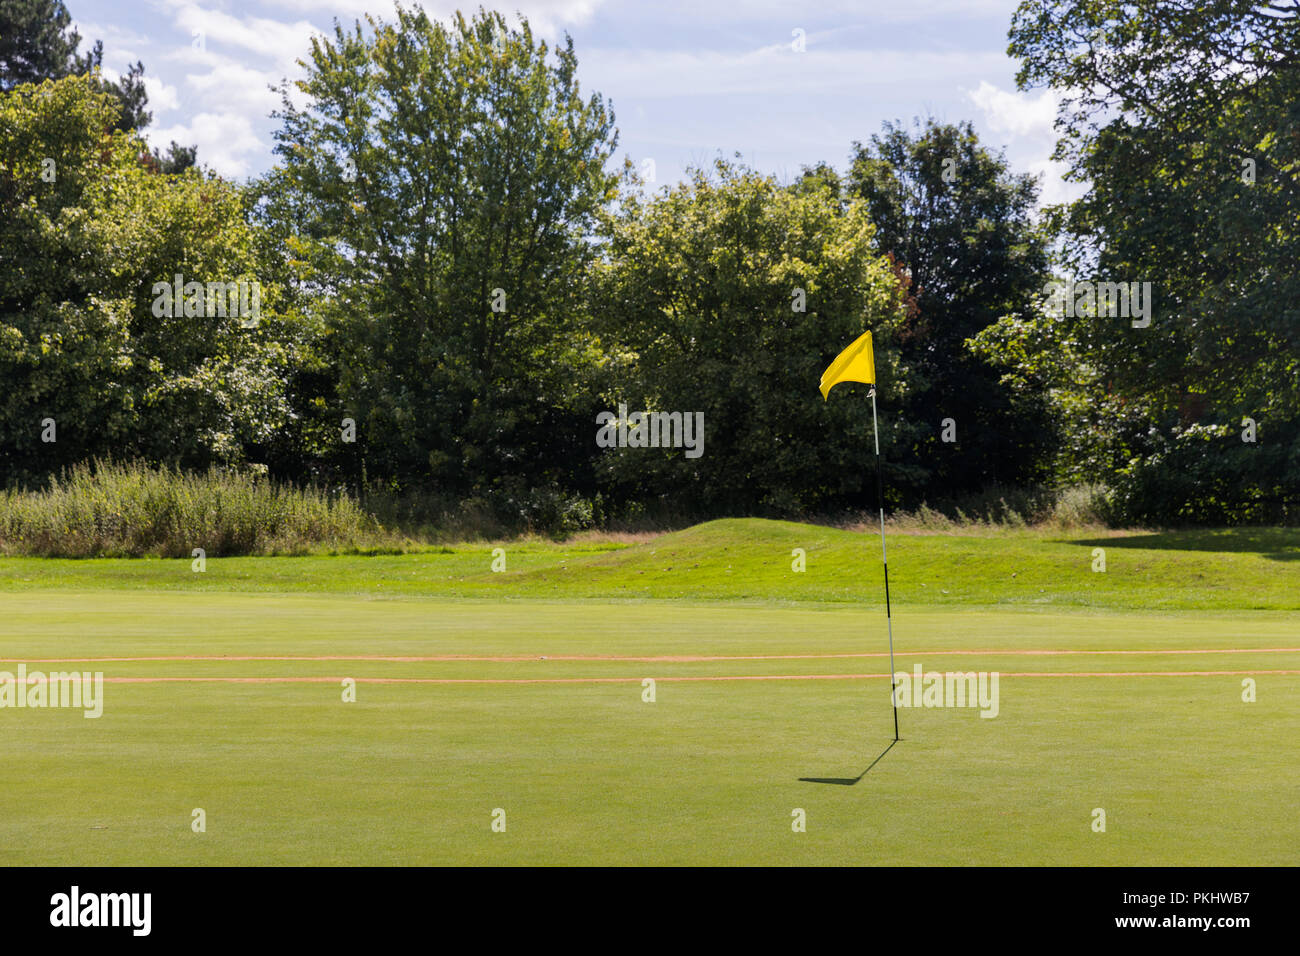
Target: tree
(128, 90)
(443, 182)
(1183, 119)
(961, 226)
(177, 159)
(37, 42)
(89, 232)
(728, 295)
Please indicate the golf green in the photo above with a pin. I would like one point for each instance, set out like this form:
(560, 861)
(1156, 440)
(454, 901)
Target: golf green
(520, 733)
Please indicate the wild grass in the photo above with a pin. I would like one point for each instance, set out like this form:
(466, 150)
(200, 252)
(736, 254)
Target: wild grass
(997, 511)
(107, 509)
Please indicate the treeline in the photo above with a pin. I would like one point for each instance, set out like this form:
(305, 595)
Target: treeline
(452, 278)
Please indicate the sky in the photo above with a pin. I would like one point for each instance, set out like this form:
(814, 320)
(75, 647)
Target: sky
(783, 84)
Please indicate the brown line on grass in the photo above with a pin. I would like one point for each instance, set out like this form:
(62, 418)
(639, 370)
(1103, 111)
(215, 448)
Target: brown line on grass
(656, 659)
(633, 680)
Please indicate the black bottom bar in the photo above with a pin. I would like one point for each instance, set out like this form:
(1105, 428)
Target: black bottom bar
(333, 907)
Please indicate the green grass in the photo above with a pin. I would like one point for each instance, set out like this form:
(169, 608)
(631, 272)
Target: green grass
(750, 560)
(709, 773)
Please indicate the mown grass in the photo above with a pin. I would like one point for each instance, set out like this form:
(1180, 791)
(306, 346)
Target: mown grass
(752, 560)
(710, 773)
(1187, 771)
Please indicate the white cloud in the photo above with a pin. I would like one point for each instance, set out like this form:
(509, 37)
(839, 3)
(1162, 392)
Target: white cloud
(112, 35)
(1029, 119)
(1018, 114)
(773, 69)
(270, 38)
(226, 94)
(237, 88)
(547, 17)
(226, 141)
(1054, 187)
(162, 97)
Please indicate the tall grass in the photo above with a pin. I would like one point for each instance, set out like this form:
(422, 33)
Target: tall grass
(116, 510)
(107, 509)
(1081, 507)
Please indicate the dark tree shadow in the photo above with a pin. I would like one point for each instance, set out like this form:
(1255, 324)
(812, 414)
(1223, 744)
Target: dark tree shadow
(1277, 544)
(849, 781)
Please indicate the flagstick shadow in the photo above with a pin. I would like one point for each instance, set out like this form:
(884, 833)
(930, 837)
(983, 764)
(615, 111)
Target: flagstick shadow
(849, 781)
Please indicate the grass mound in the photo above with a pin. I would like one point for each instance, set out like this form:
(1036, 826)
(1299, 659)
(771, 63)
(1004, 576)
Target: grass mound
(755, 561)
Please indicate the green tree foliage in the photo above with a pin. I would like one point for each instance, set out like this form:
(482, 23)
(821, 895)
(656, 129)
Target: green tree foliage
(697, 298)
(37, 42)
(177, 159)
(1183, 118)
(961, 225)
(128, 90)
(436, 193)
(87, 228)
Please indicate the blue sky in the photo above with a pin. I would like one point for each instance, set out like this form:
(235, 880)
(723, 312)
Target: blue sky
(687, 78)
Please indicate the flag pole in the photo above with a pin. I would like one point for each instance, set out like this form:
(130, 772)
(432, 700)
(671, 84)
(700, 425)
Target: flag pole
(884, 558)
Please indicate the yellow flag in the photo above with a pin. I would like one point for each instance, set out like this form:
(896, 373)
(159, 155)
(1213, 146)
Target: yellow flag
(855, 364)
